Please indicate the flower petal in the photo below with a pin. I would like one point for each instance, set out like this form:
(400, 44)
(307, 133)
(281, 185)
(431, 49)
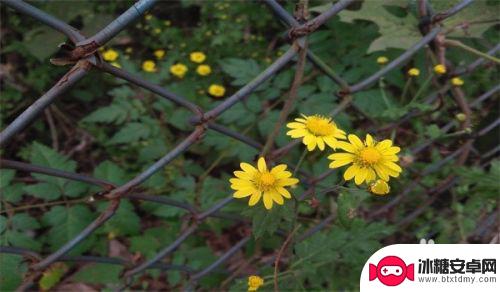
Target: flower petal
(341, 156)
(261, 164)
(277, 197)
(268, 201)
(284, 192)
(339, 163)
(355, 141)
(287, 182)
(369, 140)
(254, 199)
(361, 176)
(243, 193)
(248, 168)
(243, 175)
(294, 125)
(346, 146)
(331, 141)
(321, 143)
(297, 133)
(351, 172)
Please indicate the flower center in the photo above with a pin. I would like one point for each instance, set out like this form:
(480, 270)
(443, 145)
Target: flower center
(319, 126)
(267, 179)
(370, 155)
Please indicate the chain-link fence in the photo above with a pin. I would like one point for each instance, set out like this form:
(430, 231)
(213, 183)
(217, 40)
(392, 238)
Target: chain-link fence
(83, 53)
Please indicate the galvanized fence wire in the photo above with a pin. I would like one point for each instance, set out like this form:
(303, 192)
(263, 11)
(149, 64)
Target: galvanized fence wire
(86, 57)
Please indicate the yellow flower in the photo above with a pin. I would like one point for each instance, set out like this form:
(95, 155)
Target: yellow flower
(116, 64)
(167, 23)
(110, 55)
(149, 66)
(148, 16)
(316, 130)
(414, 72)
(159, 53)
(203, 70)
(197, 57)
(156, 31)
(382, 60)
(379, 187)
(457, 81)
(461, 117)
(216, 90)
(370, 159)
(129, 50)
(254, 282)
(178, 70)
(261, 182)
(440, 69)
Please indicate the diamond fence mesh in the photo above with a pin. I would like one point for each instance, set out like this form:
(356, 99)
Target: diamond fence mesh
(85, 57)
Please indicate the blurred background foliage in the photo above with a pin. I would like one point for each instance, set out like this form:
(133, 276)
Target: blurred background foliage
(112, 130)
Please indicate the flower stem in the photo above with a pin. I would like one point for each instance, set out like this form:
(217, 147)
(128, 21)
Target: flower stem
(381, 84)
(405, 89)
(465, 47)
(422, 88)
(299, 163)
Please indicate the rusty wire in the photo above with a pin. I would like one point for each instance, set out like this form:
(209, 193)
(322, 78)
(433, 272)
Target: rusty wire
(86, 57)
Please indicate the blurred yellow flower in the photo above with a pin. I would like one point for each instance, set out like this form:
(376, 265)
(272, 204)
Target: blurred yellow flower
(382, 60)
(156, 31)
(148, 16)
(456, 81)
(379, 187)
(110, 55)
(197, 57)
(167, 23)
(369, 159)
(149, 66)
(262, 183)
(159, 54)
(440, 69)
(216, 90)
(178, 70)
(414, 72)
(254, 282)
(203, 70)
(461, 117)
(129, 50)
(315, 131)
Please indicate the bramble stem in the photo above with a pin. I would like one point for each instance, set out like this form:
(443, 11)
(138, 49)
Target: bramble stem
(471, 50)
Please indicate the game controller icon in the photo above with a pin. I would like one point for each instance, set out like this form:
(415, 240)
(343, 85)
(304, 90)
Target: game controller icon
(391, 271)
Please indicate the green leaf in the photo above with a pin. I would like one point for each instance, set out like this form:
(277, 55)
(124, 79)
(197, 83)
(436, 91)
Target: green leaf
(268, 221)
(399, 32)
(65, 223)
(9, 191)
(433, 131)
(98, 274)
(46, 191)
(124, 222)
(111, 172)
(23, 221)
(243, 71)
(131, 132)
(52, 276)
(12, 269)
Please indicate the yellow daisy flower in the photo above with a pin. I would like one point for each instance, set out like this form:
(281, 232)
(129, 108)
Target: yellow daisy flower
(382, 60)
(178, 70)
(316, 130)
(457, 81)
(370, 159)
(203, 70)
(149, 66)
(440, 69)
(414, 72)
(216, 90)
(261, 182)
(110, 55)
(254, 282)
(159, 54)
(197, 57)
(379, 187)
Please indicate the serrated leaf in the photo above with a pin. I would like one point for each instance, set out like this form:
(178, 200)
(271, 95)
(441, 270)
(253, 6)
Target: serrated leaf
(98, 274)
(11, 277)
(111, 172)
(396, 32)
(243, 71)
(124, 222)
(65, 223)
(131, 132)
(46, 191)
(23, 221)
